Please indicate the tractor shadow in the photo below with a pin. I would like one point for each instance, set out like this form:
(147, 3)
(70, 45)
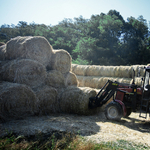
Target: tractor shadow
(138, 124)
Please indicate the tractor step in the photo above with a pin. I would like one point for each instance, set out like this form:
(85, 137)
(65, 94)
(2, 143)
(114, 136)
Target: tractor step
(144, 105)
(143, 114)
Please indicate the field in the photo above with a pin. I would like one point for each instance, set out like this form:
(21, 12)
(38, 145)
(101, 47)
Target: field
(63, 130)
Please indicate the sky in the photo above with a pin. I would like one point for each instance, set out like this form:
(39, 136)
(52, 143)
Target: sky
(51, 12)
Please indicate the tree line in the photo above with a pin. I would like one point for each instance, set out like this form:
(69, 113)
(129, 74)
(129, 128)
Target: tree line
(105, 39)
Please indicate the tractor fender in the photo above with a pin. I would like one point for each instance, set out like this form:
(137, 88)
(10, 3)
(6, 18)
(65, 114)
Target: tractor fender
(123, 107)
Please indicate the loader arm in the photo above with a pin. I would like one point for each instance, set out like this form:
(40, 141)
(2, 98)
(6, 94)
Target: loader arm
(107, 91)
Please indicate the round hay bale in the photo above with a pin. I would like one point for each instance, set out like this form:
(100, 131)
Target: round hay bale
(93, 70)
(76, 100)
(91, 81)
(80, 81)
(2, 52)
(55, 79)
(136, 68)
(47, 99)
(35, 48)
(17, 101)
(123, 71)
(137, 81)
(142, 71)
(139, 70)
(73, 66)
(107, 71)
(71, 79)
(61, 61)
(99, 82)
(24, 71)
(111, 71)
(80, 70)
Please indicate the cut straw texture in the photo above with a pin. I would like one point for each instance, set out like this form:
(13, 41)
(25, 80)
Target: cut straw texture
(99, 82)
(2, 52)
(55, 79)
(35, 48)
(95, 76)
(106, 71)
(24, 71)
(79, 69)
(17, 101)
(71, 79)
(76, 100)
(47, 99)
(61, 61)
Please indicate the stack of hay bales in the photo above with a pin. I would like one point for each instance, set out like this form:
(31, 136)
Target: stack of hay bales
(75, 99)
(35, 78)
(95, 76)
(17, 100)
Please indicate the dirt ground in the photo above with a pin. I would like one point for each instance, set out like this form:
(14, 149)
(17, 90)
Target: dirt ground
(95, 127)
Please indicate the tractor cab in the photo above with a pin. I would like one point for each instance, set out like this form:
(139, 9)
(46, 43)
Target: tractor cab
(146, 79)
(145, 102)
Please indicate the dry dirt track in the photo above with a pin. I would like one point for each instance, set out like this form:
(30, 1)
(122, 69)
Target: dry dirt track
(94, 127)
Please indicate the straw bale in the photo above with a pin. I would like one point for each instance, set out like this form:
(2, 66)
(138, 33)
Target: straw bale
(73, 66)
(71, 79)
(137, 81)
(61, 61)
(35, 48)
(80, 81)
(80, 70)
(2, 63)
(76, 100)
(2, 52)
(24, 71)
(17, 101)
(124, 71)
(142, 71)
(99, 82)
(136, 68)
(108, 71)
(102, 70)
(91, 81)
(103, 81)
(47, 99)
(93, 70)
(55, 79)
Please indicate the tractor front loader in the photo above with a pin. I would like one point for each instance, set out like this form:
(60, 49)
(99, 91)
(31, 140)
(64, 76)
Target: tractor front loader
(127, 98)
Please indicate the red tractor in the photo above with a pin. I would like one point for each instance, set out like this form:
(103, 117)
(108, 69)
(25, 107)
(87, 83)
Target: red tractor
(127, 98)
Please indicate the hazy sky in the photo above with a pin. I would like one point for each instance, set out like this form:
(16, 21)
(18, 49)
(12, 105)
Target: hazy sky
(54, 11)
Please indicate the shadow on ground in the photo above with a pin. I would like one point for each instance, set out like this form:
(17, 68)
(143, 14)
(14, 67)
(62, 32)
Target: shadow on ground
(82, 125)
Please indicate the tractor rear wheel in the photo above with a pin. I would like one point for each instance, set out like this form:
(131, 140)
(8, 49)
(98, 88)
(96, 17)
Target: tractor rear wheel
(113, 111)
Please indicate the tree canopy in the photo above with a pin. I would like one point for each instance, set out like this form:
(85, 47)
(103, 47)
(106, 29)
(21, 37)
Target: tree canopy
(105, 39)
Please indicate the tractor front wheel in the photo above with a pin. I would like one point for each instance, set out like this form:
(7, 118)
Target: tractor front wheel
(113, 111)
(129, 110)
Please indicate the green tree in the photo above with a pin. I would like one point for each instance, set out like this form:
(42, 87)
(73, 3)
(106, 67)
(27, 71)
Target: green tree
(134, 39)
(85, 49)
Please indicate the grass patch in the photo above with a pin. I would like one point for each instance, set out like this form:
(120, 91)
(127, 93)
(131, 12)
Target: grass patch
(65, 141)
